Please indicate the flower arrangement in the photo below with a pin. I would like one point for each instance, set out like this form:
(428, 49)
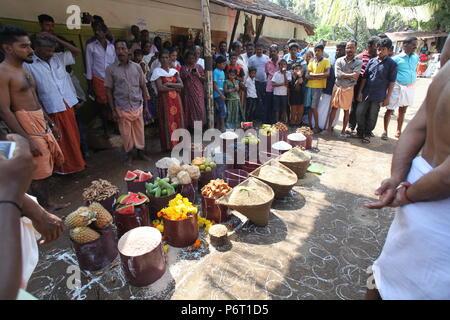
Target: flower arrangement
(179, 209)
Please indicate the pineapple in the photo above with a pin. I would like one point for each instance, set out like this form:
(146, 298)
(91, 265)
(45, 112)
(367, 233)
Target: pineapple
(84, 235)
(103, 217)
(82, 217)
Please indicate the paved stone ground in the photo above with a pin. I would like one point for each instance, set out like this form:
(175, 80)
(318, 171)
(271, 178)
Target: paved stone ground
(318, 244)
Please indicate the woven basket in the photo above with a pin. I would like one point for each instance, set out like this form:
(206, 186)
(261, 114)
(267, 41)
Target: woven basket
(258, 214)
(280, 190)
(299, 167)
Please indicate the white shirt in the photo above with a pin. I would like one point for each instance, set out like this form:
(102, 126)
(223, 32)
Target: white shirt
(147, 58)
(278, 78)
(201, 62)
(251, 88)
(53, 83)
(98, 59)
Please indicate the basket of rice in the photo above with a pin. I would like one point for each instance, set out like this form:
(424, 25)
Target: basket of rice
(253, 198)
(296, 160)
(279, 177)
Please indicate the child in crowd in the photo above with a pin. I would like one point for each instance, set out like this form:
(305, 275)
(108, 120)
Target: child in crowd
(139, 59)
(296, 94)
(280, 83)
(252, 97)
(219, 97)
(233, 65)
(231, 88)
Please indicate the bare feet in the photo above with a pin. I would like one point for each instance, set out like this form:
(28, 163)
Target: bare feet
(142, 156)
(397, 135)
(128, 159)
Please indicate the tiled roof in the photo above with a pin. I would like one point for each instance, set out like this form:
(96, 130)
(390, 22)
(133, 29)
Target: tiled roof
(267, 8)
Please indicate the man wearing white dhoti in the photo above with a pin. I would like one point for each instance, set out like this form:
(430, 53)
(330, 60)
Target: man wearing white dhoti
(415, 260)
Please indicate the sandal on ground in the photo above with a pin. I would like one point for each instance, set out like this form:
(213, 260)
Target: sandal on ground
(397, 135)
(384, 136)
(365, 140)
(344, 135)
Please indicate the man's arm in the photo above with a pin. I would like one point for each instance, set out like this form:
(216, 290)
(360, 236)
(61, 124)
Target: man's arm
(75, 51)
(410, 143)
(14, 181)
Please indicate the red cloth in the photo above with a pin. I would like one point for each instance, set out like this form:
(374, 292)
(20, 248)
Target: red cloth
(70, 141)
(170, 113)
(99, 90)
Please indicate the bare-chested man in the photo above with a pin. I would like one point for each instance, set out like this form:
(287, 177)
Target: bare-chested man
(415, 260)
(22, 112)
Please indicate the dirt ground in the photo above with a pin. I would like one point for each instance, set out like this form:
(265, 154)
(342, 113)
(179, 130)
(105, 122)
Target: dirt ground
(318, 244)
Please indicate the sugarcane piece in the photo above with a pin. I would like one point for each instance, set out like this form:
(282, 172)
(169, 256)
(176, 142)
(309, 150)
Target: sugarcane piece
(218, 235)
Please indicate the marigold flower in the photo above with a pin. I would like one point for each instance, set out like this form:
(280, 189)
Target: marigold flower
(197, 244)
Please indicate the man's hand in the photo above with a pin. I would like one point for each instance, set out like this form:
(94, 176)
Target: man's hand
(115, 115)
(35, 151)
(360, 97)
(223, 97)
(56, 133)
(386, 102)
(49, 226)
(387, 193)
(47, 35)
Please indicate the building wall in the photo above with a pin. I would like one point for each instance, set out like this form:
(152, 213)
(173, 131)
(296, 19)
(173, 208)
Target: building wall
(156, 16)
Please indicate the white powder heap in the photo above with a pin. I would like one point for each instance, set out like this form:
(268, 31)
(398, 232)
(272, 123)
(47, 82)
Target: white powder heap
(281, 145)
(229, 135)
(139, 241)
(296, 137)
(277, 175)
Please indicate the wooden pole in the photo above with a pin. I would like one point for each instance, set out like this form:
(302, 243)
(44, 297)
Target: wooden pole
(233, 33)
(208, 61)
(259, 28)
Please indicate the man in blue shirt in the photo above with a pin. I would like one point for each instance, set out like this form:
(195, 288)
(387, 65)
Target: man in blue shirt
(403, 93)
(375, 90)
(219, 97)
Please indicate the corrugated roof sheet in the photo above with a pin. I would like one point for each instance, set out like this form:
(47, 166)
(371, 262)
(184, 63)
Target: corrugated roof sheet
(267, 8)
(402, 35)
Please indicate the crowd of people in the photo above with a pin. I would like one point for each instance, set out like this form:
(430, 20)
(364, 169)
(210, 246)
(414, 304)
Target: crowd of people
(135, 82)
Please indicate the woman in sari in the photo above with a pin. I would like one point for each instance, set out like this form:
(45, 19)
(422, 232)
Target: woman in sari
(170, 109)
(193, 77)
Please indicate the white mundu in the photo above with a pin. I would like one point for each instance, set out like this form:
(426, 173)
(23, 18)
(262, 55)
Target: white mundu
(415, 261)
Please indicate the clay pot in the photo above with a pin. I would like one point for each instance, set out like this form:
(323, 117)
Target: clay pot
(137, 187)
(156, 204)
(206, 177)
(145, 269)
(98, 254)
(181, 233)
(309, 140)
(108, 204)
(297, 140)
(188, 191)
(213, 211)
(127, 222)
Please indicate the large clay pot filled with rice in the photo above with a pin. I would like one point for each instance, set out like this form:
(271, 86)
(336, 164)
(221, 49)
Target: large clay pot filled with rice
(297, 140)
(142, 256)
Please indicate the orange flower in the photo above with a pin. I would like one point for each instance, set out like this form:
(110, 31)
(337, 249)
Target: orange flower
(159, 214)
(197, 244)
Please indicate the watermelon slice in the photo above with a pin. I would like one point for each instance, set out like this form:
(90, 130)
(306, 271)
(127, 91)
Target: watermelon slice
(126, 209)
(145, 177)
(138, 172)
(130, 176)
